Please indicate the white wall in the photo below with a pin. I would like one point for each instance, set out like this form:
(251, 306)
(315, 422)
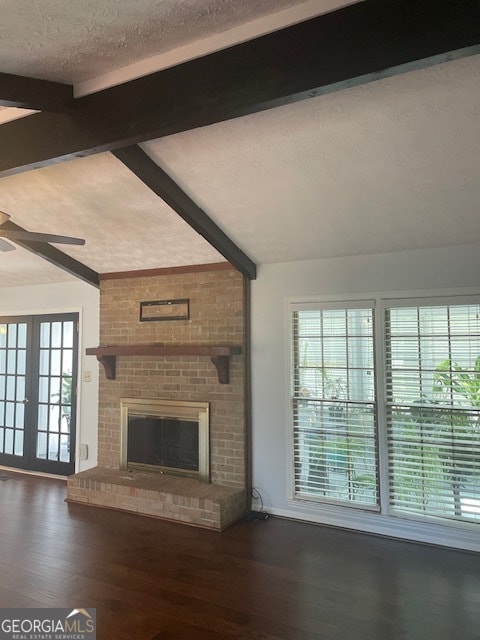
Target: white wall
(68, 297)
(437, 271)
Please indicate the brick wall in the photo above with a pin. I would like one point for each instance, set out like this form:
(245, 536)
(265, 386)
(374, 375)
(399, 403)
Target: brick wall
(216, 317)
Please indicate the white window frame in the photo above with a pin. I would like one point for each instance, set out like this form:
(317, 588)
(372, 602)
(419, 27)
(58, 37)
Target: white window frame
(325, 306)
(427, 529)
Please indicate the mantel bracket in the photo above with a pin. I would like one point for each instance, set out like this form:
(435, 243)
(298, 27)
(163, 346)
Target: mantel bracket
(223, 370)
(109, 364)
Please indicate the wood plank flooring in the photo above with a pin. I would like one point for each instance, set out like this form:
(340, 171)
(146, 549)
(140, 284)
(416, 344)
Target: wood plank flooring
(272, 580)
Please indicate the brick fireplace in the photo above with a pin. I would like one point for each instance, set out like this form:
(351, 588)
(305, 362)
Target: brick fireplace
(217, 319)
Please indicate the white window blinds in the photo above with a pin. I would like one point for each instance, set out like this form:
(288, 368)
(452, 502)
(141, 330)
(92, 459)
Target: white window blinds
(334, 410)
(432, 387)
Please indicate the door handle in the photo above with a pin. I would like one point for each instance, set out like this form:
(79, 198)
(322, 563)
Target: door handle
(25, 401)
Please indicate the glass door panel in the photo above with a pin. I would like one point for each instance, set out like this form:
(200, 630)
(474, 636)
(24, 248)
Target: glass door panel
(13, 355)
(38, 362)
(55, 391)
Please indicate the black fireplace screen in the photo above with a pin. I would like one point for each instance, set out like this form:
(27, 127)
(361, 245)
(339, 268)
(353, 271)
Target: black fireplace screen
(163, 442)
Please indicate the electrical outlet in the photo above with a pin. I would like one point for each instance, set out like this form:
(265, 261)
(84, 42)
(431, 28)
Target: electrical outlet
(84, 452)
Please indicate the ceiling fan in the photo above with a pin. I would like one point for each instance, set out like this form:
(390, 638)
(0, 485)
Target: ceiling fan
(13, 233)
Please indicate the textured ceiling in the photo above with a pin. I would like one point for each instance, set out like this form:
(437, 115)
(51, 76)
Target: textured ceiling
(73, 41)
(22, 268)
(388, 166)
(125, 225)
(392, 165)
(10, 113)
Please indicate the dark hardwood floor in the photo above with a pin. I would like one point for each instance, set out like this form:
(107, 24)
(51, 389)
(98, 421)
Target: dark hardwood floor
(151, 580)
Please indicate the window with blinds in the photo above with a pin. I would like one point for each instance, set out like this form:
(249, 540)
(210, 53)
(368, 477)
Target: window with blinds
(422, 458)
(432, 389)
(334, 409)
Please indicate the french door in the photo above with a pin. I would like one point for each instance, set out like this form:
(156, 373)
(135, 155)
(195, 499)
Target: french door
(38, 381)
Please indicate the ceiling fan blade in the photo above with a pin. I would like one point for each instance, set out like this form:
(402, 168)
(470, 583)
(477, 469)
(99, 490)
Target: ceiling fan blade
(6, 246)
(30, 236)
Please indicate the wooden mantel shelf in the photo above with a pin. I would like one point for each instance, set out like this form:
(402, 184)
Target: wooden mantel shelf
(219, 355)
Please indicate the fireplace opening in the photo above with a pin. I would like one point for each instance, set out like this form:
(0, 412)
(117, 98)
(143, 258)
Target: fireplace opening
(165, 436)
(166, 442)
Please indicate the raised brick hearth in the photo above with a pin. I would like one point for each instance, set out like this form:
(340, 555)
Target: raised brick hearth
(167, 497)
(216, 318)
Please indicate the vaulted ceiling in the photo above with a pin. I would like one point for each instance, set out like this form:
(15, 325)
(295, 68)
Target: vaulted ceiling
(354, 131)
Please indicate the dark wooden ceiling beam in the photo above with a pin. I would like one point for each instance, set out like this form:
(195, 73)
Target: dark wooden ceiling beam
(357, 44)
(170, 192)
(55, 257)
(31, 93)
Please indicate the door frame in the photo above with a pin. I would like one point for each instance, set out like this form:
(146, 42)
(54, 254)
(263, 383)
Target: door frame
(29, 461)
